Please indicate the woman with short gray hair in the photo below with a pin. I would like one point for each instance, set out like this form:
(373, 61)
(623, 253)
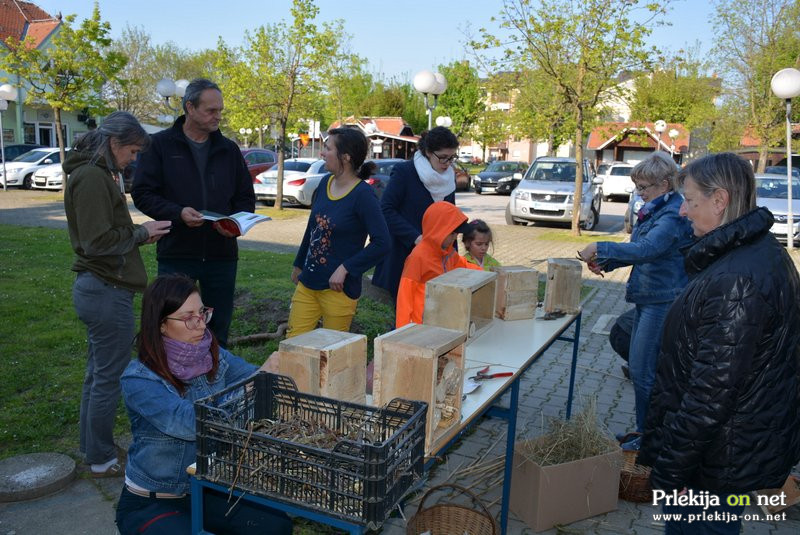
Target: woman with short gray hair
(724, 415)
(657, 276)
(109, 270)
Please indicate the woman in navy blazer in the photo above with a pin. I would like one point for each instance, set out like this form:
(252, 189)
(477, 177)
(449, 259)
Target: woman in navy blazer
(415, 185)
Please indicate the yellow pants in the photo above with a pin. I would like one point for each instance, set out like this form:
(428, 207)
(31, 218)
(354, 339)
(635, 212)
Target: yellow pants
(308, 306)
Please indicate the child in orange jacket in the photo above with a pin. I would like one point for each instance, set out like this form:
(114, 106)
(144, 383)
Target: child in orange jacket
(431, 257)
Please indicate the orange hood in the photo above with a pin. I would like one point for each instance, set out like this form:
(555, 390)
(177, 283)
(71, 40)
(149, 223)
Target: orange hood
(428, 259)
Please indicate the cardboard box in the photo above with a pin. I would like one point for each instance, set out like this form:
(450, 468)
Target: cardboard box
(791, 490)
(543, 496)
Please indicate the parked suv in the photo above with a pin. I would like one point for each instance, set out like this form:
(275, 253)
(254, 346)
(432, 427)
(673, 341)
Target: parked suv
(546, 193)
(616, 179)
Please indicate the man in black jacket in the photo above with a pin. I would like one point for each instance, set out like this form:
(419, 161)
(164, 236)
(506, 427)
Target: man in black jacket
(192, 167)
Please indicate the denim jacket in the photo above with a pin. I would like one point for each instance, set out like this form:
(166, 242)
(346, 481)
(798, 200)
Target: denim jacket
(163, 421)
(658, 274)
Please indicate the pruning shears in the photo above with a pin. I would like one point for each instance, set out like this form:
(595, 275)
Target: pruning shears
(482, 375)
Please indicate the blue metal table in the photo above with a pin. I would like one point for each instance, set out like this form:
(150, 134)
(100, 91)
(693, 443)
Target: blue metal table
(523, 343)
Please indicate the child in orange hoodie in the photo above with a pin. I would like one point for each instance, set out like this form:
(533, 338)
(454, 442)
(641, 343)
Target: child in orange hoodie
(431, 257)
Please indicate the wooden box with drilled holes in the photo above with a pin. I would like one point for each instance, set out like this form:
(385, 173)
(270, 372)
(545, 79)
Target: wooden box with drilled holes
(326, 363)
(563, 288)
(424, 363)
(462, 299)
(517, 292)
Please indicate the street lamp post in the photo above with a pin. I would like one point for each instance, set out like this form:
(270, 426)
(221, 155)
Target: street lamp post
(673, 135)
(430, 83)
(168, 88)
(7, 92)
(660, 127)
(786, 85)
(245, 133)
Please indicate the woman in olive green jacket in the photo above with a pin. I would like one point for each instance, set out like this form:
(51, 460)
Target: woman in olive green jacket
(110, 270)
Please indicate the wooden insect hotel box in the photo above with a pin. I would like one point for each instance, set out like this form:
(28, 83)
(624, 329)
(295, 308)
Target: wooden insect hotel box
(563, 289)
(517, 292)
(327, 363)
(424, 363)
(462, 299)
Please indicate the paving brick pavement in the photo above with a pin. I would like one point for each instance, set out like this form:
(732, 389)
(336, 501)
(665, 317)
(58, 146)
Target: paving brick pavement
(543, 388)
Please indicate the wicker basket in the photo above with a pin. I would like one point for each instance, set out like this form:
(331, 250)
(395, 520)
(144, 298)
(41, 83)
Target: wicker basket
(446, 519)
(634, 479)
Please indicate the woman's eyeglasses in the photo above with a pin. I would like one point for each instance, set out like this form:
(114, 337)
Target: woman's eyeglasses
(642, 189)
(193, 322)
(446, 159)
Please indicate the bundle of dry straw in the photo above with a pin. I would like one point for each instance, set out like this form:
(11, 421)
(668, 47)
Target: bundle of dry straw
(570, 440)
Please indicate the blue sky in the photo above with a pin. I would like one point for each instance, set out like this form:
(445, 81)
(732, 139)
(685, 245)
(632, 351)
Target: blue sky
(398, 38)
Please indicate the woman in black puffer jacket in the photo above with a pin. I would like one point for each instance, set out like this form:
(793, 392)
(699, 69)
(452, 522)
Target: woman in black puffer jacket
(724, 413)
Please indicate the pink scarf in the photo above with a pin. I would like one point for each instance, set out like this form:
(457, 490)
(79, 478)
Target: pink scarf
(187, 361)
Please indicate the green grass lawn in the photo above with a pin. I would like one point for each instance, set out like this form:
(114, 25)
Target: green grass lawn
(43, 344)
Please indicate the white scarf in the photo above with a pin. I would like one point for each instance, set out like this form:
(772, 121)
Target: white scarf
(439, 185)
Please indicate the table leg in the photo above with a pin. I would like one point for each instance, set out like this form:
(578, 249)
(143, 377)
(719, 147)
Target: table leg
(196, 490)
(509, 465)
(574, 364)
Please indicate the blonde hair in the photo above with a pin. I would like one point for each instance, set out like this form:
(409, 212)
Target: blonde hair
(724, 171)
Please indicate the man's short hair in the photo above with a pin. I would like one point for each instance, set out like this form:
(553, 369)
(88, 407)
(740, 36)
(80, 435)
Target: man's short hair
(195, 89)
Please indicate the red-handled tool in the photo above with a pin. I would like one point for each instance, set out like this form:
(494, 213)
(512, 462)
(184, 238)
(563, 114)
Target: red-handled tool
(484, 374)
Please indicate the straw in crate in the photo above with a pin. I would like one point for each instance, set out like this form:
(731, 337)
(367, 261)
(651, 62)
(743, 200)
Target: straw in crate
(360, 479)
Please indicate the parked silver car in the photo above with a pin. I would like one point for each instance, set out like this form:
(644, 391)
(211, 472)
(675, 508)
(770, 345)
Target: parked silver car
(546, 193)
(772, 193)
(301, 176)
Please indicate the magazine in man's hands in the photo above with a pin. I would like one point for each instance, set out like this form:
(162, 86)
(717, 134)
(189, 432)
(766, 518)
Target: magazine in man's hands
(237, 224)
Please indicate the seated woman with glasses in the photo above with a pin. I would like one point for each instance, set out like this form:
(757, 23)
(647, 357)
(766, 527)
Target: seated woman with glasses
(179, 362)
(414, 186)
(657, 277)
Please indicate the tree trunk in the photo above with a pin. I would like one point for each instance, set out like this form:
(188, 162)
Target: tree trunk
(578, 197)
(59, 133)
(60, 138)
(281, 158)
(763, 152)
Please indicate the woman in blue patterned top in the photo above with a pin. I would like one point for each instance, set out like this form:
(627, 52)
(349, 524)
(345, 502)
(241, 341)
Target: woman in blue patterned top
(332, 257)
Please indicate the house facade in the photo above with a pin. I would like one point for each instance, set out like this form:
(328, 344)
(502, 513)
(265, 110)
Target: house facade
(390, 137)
(33, 123)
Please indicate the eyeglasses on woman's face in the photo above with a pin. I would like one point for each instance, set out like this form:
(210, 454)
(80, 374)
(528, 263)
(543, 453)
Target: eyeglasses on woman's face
(446, 159)
(641, 188)
(193, 321)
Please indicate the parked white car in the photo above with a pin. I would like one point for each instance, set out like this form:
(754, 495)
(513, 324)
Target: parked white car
(301, 176)
(772, 192)
(49, 177)
(20, 170)
(616, 179)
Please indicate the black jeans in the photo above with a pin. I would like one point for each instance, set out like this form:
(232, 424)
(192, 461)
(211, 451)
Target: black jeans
(217, 281)
(172, 516)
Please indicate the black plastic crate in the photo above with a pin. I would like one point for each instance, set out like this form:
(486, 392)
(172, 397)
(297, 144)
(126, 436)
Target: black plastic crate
(355, 481)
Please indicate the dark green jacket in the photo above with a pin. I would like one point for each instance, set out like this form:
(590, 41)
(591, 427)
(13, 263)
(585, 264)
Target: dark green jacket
(102, 233)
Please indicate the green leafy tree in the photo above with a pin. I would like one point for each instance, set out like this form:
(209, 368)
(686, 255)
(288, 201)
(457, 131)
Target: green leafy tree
(582, 46)
(69, 74)
(275, 78)
(347, 83)
(677, 91)
(753, 40)
(490, 129)
(538, 110)
(462, 99)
